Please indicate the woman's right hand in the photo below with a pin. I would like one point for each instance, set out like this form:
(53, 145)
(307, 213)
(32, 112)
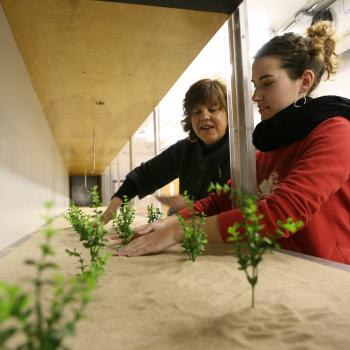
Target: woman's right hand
(143, 230)
(154, 237)
(160, 235)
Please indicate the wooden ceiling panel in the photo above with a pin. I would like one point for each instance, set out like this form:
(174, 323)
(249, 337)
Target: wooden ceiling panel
(79, 52)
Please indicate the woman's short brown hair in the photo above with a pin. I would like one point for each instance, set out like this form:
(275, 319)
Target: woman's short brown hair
(205, 91)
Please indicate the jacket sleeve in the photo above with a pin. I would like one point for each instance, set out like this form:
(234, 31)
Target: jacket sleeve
(319, 172)
(157, 172)
(126, 189)
(211, 205)
(214, 204)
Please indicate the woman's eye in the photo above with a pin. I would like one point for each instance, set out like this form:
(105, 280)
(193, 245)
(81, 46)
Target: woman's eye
(213, 108)
(268, 83)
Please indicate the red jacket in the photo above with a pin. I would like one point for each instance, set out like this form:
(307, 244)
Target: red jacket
(308, 180)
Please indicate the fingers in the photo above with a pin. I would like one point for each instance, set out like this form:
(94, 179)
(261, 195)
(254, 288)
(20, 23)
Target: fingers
(115, 245)
(166, 233)
(114, 241)
(140, 246)
(145, 229)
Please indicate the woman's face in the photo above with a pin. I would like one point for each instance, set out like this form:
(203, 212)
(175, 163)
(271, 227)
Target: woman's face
(209, 122)
(274, 89)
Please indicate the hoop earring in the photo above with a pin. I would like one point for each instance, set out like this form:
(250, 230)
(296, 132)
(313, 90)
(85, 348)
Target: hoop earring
(295, 104)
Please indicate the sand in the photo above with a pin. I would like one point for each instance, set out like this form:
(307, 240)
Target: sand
(166, 302)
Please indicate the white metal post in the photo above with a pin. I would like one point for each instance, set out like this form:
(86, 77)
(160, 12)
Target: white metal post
(240, 111)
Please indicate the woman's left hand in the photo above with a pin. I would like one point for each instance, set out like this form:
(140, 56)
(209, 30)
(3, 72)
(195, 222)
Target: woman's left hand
(154, 237)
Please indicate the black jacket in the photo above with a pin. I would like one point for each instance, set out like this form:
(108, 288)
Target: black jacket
(194, 163)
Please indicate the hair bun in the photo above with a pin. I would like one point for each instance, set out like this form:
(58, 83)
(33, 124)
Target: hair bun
(322, 43)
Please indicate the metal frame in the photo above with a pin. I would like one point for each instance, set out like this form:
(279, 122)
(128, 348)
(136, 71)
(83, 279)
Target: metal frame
(156, 130)
(156, 141)
(131, 154)
(240, 110)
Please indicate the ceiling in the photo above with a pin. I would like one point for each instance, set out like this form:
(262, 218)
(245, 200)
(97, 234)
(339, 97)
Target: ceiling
(100, 67)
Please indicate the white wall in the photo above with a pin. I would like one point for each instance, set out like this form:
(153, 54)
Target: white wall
(31, 168)
(339, 83)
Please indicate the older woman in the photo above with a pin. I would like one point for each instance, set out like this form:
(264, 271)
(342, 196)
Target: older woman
(201, 158)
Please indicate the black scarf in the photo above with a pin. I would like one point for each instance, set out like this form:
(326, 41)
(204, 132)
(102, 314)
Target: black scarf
(292, 124)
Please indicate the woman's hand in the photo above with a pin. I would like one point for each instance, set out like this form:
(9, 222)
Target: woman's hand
(116, 241)
(160, 235)
(154, 237)
(175, 202)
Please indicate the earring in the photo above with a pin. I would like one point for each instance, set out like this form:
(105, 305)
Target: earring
(296, 105)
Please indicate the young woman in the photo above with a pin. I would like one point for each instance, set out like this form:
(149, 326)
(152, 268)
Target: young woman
(197, 160)
(303, 158)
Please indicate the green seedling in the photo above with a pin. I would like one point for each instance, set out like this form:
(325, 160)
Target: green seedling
(91, 230)
(153, 213)
(44, 319)
(122, 221)
(76, 218)
(97, 234)
(14, 312)
(82, 265)
(195, 239)
(249, 243)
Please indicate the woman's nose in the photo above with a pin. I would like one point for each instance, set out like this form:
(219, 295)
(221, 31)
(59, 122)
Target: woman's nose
(205, 114)
(256, 96)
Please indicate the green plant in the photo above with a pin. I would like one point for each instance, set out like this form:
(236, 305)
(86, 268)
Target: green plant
(195, 239)
(122, 221)
(153, 213)
(82, 265)
(76, 218)
(91, 231)
(44, 321)
(249, 243)
(13, 306)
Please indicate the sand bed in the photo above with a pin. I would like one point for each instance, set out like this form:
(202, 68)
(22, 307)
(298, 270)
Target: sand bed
(166, 302)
